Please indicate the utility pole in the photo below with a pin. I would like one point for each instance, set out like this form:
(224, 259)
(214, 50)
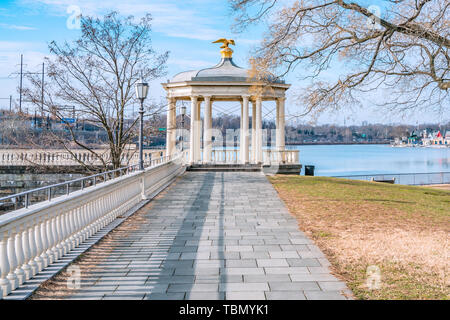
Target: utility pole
(42, 92)
(10, 103)
(20, 87)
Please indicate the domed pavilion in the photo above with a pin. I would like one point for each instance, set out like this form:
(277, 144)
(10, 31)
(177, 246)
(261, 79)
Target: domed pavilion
(228, 82)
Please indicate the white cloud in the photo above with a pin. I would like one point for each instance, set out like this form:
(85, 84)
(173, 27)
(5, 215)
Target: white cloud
(15, 27)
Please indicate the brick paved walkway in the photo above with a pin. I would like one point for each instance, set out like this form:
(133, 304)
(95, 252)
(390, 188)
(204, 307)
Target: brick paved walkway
(211, 235)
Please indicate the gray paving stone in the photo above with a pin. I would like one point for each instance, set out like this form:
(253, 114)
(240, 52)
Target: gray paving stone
(218, 278)
(307, 262)
(324, 295)
(196, 271)
(229, 287)
(243, 271)
(267, 278)
(272, 262)
(242, 263)
(165, 296)
(245, 295)
(332, 285)
(205, 295)
(193, 287)
(286, 270)
(313, 277)
(293, 286)
(212, 235)
(254, 255)
(285, 295)
(284, 254)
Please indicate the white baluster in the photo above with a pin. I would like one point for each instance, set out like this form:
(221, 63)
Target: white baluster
(32, 243)
(65, 232)
(50, 239)
(19, 256)
(4, 265)
(84, 223)
(26, 252)
(72, 227)
(44, 243)
(39, 248)
(12, 277)
(77, 235)
(59, 232)
(54, 231)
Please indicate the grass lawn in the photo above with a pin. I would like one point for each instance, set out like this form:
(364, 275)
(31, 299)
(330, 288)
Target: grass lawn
(401, 230)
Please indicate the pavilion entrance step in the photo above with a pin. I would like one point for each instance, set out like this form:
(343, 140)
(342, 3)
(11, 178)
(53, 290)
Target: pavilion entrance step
(225, 167)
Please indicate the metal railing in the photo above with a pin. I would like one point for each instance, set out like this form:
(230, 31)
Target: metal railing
(405, 178)
(47, 193)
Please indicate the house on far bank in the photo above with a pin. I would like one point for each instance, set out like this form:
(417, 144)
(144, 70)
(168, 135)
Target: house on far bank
(424, 138)
(414, 138)
(439, 139)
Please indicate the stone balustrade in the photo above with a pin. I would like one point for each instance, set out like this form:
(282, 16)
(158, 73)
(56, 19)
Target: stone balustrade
(283, 156)
(269, 156)
(34, 237)
(35, 157)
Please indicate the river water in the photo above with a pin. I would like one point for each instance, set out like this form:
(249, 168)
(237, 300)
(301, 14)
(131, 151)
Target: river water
(344, 160)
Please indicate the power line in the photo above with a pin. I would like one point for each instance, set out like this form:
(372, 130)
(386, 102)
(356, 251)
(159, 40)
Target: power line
(20, 88)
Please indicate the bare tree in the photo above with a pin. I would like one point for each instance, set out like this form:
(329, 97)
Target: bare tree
(401, 47)
(95, 75)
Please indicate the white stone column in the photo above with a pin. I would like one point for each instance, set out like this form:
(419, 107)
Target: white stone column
(244, 130)
(192, 135)
(277, 124)
(171, 127)
(281, 102)
(198, 130)
(241, 136)
(253, 155)
(207, 135)
(258, 130)
(280, 129)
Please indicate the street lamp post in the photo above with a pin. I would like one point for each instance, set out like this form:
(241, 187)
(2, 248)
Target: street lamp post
(141, 94)
(183, 113)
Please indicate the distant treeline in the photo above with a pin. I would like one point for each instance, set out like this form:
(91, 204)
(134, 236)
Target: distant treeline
(32, 131)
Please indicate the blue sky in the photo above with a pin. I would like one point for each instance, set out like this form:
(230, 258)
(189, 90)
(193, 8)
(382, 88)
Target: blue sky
(185, 28)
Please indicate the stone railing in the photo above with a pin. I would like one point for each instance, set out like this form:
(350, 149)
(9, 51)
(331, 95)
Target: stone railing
(278, 157)
(269, 156)
(34, 237)
(35, 157)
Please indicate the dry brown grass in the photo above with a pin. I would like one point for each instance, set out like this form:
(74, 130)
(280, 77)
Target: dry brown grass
(402, 230)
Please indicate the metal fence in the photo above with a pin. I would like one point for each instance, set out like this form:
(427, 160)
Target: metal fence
(406, 178)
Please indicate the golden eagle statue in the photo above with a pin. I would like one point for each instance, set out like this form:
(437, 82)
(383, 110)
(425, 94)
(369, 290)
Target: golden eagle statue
(225, 42)
(226, 51)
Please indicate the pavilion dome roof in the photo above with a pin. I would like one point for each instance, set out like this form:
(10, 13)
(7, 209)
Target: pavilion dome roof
(225, 70)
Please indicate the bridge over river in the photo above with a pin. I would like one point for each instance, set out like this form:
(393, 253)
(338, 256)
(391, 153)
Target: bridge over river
(163, 233)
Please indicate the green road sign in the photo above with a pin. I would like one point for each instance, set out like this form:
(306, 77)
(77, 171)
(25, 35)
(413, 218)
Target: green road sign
(162, 129)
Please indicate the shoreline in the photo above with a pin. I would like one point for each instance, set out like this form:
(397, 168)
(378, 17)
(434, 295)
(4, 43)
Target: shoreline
(445, 186)
(334, 143)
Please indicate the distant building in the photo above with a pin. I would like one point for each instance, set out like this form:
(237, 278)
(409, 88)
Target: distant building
(439, 139)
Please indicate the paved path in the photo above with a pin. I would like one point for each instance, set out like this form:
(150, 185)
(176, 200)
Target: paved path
(211, 235)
